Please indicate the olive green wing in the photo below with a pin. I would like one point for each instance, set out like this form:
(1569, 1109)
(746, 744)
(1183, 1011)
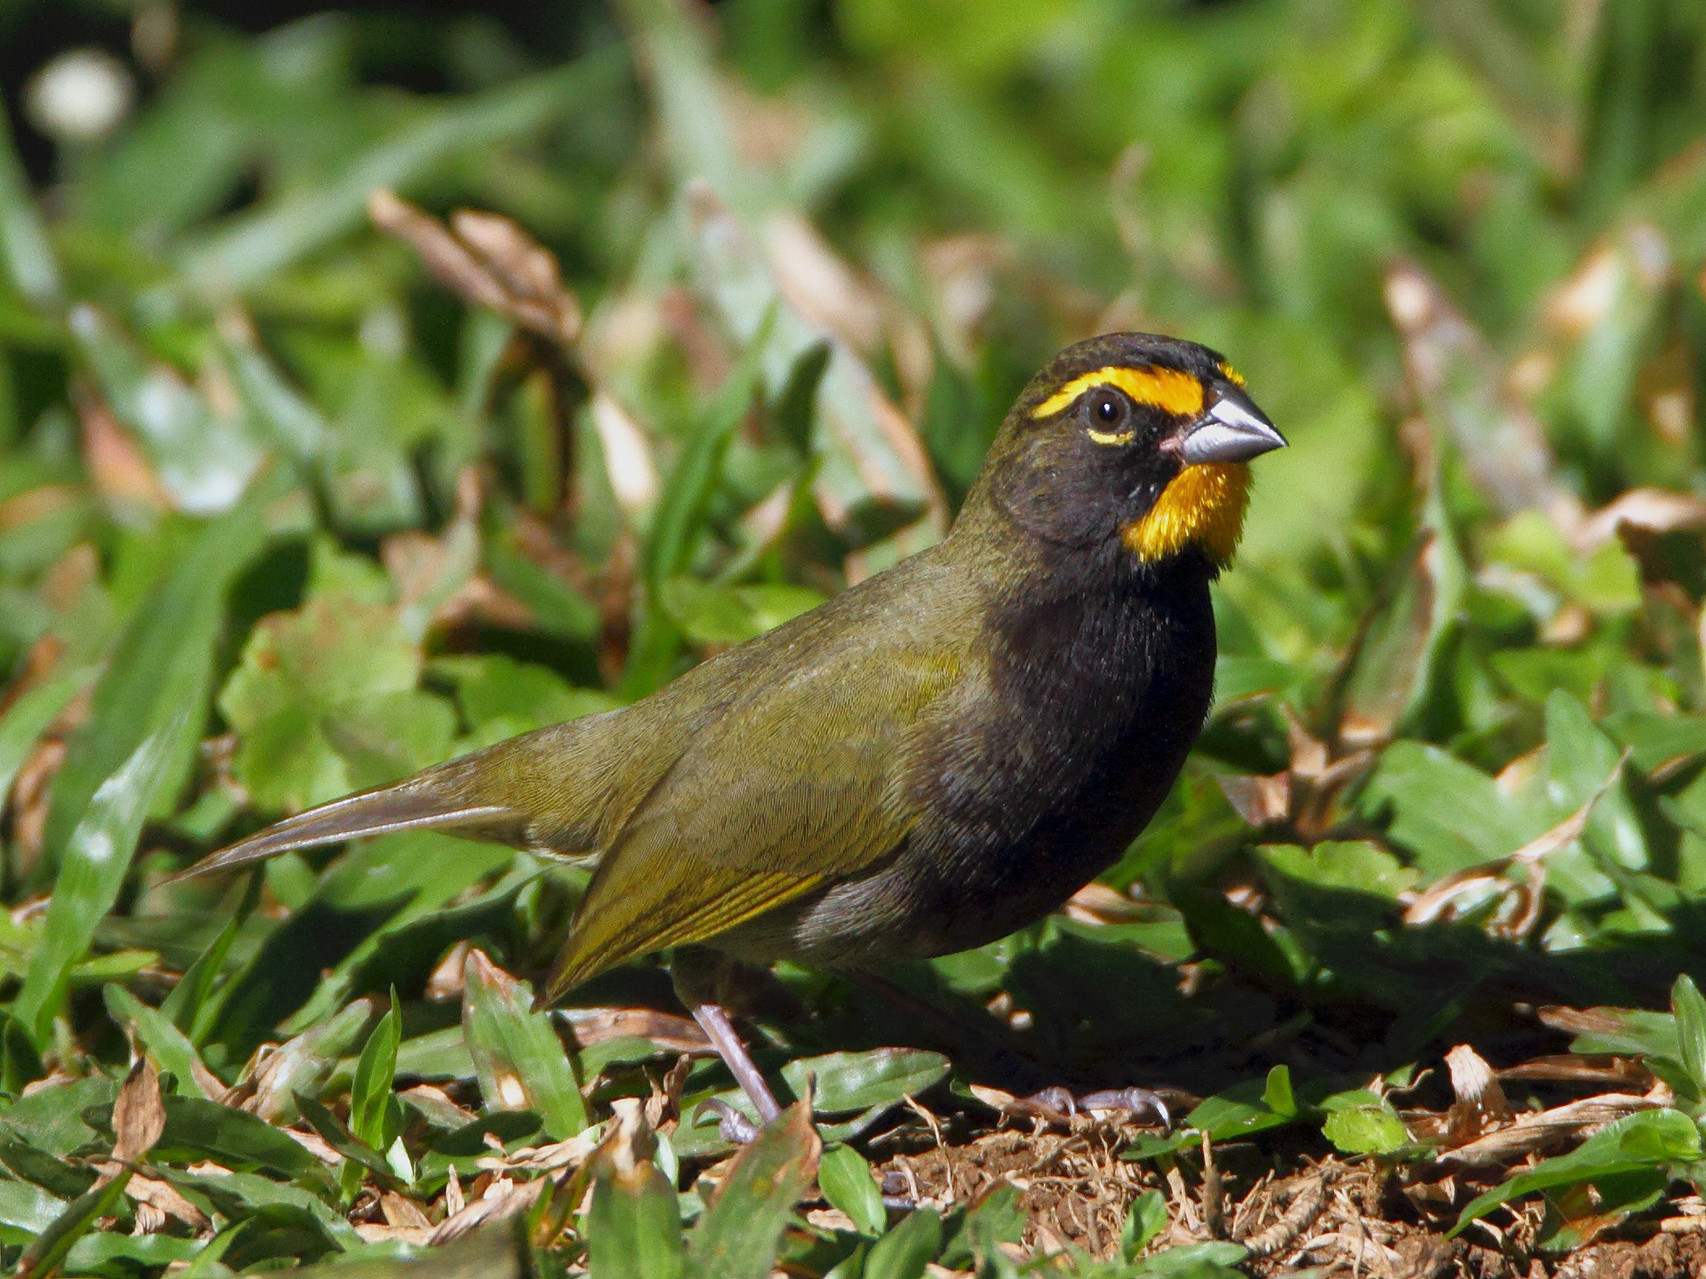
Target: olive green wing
(801, 783)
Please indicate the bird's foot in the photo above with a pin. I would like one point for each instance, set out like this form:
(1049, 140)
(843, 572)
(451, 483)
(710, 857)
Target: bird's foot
(731, 1124)
(1135, 1101)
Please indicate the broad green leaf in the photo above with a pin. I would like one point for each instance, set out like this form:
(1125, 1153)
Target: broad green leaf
(51, 1119)
(1648, 1138)
(518, 1059)
(236, 1194)
(108, 1251)
(1335, 885)
(438, 1054)
(904, 1251)
(1216, 1260)
(325, 698)
(375, 1113)
(633, 1226)
(1629, 1030)
(1656, 740)
(1606, 581)
(738, 1235)
(235, 1138)
(1363, 1123)
(1144, 1222)
(845, 1180)
(995, 1219)
(25, 1210)
(24, 245)
(501, 697)
(1580, 758)
(844, 1081)
(1448, 813)
(1690, 1010)
(1245, 1108)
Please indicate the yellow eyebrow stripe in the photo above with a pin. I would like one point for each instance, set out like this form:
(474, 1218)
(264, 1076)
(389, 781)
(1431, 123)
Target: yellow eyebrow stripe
(1166, 389)
(1231, 374)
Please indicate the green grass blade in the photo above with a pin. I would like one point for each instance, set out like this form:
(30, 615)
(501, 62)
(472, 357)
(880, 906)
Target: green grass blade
(24, 245)
(158, 673)
(256, 246)
(96, 861)
(171, 1048)
(33, 711)
(47, 1251)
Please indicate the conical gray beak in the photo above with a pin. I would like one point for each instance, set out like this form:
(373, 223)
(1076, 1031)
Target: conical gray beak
(1233, 430)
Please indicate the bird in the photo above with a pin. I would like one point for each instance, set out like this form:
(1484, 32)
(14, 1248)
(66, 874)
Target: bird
(933, 758)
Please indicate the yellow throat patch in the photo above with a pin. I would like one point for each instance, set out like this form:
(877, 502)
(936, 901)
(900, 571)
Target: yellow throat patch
(1203, 506)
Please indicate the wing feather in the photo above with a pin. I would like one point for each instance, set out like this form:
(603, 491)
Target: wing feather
(802, 783)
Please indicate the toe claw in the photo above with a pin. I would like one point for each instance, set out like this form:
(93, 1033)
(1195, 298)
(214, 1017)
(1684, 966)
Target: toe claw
(1135, 1100)
(731, 1124)
(1053, 1098)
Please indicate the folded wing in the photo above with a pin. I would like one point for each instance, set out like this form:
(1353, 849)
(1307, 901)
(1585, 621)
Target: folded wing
(801, 784)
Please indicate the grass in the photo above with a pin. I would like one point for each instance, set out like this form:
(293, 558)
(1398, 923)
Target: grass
(311, 477)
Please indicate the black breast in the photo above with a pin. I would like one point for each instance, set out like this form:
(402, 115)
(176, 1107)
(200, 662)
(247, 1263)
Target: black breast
(1037, 781)
(1095, 700)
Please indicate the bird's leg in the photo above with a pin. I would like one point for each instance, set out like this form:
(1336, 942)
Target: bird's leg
(703, 981)
(714, 1021)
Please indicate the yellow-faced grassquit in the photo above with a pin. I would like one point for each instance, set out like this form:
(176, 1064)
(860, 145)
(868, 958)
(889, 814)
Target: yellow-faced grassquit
(937, 756)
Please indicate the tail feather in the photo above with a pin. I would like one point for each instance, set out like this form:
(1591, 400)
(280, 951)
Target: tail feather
(406, 806)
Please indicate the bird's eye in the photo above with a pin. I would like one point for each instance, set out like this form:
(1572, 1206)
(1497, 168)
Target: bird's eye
(1109, 413)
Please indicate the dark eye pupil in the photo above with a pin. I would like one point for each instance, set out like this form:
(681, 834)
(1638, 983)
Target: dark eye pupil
(1107, 410)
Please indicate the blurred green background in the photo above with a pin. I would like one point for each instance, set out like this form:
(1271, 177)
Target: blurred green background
(291, 503)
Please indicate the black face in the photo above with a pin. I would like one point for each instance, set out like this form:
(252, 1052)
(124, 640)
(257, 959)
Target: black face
(1094, 440)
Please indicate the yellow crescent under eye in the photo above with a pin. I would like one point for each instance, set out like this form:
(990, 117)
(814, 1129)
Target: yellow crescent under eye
(1111, 437)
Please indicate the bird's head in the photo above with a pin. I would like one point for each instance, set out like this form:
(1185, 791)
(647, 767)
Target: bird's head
(1131, 439)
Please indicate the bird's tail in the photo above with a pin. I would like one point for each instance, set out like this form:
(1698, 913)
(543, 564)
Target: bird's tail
(428, 801)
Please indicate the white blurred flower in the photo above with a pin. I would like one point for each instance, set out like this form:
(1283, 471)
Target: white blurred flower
(80, 96)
